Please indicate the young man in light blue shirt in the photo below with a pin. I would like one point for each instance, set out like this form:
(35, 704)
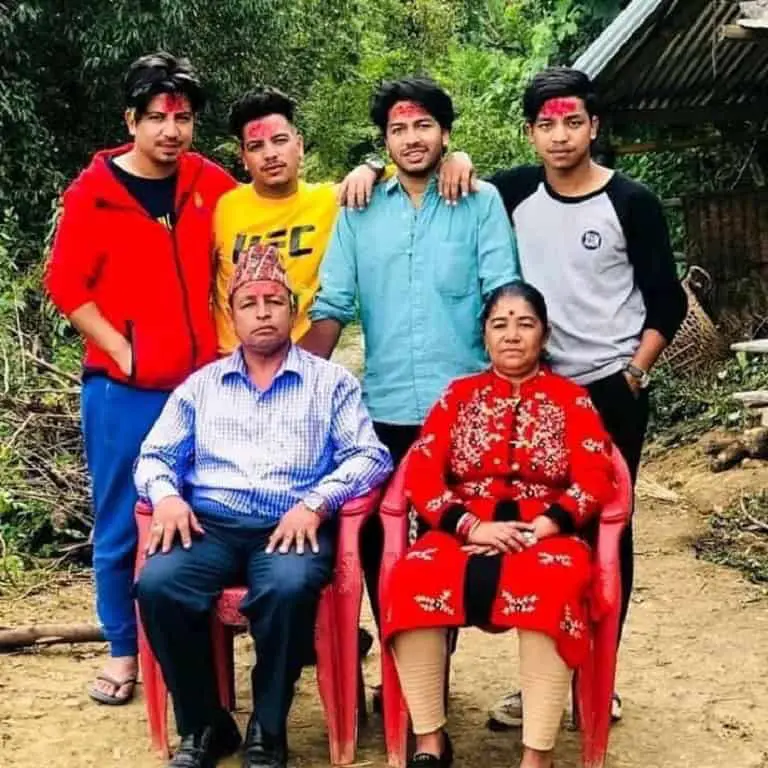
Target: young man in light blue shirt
(418, 269)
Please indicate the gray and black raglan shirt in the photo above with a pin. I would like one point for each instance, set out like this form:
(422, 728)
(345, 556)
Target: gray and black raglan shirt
(604, 264)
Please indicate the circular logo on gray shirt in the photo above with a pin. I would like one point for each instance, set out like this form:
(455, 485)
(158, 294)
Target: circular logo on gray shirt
(591, 240)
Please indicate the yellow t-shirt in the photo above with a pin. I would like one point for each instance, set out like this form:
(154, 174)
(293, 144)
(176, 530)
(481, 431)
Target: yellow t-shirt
(300, 226)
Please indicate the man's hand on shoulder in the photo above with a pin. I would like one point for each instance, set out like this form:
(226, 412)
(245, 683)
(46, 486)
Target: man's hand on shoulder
(457, 177)
(356, 189)
(297, 526)
(172, 515)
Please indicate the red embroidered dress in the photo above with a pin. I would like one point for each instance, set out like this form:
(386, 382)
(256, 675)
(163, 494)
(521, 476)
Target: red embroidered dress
(503, 454)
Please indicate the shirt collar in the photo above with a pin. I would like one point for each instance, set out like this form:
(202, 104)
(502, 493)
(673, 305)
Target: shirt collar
(393, 183)
(235, 364)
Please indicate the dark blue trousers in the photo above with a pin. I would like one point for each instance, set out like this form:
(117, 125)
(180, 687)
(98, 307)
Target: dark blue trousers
(177, 590)
(115, 419)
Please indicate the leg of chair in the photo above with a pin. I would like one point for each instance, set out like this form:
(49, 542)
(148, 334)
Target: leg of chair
(394, 710)
(343, 598)
(223, 642)
(155, 695)
(328, 655)
(594, 689)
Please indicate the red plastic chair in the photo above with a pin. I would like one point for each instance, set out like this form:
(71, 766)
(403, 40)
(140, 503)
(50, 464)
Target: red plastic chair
(336, 639)
(594, 680)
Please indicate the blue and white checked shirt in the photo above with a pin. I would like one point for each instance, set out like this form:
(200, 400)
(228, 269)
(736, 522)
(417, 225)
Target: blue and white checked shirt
(232, 449)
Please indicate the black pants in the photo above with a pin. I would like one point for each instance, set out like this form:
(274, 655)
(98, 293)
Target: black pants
(176, 591)
(625, 416)
(398, 439)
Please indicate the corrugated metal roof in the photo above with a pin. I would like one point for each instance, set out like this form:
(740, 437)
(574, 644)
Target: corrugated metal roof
(666, 60)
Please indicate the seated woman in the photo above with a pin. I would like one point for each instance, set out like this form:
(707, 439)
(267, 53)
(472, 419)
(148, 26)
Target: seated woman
(511, 465)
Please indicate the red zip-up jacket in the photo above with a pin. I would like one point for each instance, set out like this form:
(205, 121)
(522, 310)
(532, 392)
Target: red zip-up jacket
(152, 284)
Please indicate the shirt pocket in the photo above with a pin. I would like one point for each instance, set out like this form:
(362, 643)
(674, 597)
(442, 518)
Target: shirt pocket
(455, 268)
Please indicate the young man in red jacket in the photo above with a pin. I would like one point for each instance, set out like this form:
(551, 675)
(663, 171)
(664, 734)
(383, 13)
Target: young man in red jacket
(131, 268)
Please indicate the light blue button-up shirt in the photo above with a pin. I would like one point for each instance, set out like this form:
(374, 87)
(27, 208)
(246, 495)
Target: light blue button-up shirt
(232, 449)
(420, 276)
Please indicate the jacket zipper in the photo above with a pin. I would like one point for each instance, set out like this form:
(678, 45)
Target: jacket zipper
(132, 341)
(180, 274)
(176, 259)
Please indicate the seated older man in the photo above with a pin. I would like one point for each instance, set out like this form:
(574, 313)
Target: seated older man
(247, 465)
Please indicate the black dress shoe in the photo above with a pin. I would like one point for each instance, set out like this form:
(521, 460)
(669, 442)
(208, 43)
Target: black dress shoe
(205, 748)
(262, 749)
(427, 760)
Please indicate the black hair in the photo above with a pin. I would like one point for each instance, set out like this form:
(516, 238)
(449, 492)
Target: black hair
(257, 104)
(559, 82)
(158, 73)
(421, 90)
(521, 290)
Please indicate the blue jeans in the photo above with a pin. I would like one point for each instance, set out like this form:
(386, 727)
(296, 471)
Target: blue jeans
(116, 418)
(176, 592)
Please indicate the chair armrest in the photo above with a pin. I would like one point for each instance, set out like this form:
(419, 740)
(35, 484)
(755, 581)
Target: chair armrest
(606, 587)
(362, 505)
(143, 514)
(395, 502)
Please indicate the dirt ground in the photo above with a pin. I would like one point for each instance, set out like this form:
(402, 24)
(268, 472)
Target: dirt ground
(692, 669)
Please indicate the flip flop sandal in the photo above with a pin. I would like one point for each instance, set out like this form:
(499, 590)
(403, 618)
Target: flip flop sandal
(112, 699)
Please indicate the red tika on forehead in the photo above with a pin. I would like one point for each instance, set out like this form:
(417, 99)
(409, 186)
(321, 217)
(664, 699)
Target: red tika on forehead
(407, 109)
(171, 103)
(263, 128)
(560, 107)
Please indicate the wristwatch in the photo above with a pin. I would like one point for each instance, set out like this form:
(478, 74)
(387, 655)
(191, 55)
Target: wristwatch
(639, 375)
(314, 502)
(376, 164)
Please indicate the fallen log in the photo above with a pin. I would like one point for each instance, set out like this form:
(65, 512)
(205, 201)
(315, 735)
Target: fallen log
(758, 346)
(49, 634)
(755, 399)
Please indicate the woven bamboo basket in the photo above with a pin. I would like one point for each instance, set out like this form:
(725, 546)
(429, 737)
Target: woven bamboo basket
(698, 345)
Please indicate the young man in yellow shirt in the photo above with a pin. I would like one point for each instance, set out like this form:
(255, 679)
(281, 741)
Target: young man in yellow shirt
(278, 208)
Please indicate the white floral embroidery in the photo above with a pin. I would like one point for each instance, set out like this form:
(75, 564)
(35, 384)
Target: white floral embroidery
(478, 427)
(434, 505)
(583, 499)
(514, 604)
(585, 401)
(523, 490)
(593, 446)
(571, 626)
(437, 604)
(479, 489)
(540, 429)
(443, 401)
(545, 558)
(423, 443)
(422, 554)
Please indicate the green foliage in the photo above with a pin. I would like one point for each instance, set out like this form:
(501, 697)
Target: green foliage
(61, 66)
(682, 409)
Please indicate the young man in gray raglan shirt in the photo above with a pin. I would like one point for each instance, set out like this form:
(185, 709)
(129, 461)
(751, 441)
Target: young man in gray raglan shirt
(596, 244)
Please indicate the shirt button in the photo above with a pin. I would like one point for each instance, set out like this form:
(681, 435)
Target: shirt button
(515, 467)
(497, 462)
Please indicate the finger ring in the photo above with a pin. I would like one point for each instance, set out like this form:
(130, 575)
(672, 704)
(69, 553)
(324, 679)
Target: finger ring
(529, 536)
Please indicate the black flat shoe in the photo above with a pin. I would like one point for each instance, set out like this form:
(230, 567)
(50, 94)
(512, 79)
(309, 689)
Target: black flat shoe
(263, 750)
(205, 748)
(427, 760)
